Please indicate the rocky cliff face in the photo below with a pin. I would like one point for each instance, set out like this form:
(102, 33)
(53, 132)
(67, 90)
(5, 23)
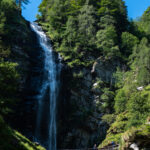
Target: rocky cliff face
(29, 57)
(79, 119)
(24, 51)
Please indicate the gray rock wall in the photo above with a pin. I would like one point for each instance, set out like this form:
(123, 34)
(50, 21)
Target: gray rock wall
(82, 119)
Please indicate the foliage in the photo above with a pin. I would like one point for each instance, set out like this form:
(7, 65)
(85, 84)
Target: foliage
(140, 61)
(128, 42)
(78, 75)
(136, 134)
(133, 94)
(117, 9)
(109, 118)
(9, 81)
(81, 30)
(106, 42)
(11, 23)
(8, 78)
(120, 101)
(13, 140)
(107, 100)
(119, 77)
(139, 107)
(87, 26)
(116, 130)
(11, 36)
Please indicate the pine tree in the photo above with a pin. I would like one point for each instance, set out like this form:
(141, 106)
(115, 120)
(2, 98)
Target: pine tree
(87, 24)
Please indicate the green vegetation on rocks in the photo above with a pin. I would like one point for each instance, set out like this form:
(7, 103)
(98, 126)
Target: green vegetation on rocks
(98, 34)
(14, 46)
(13, 140)
(108, 58)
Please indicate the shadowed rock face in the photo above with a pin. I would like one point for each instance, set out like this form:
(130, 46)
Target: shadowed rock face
(79, 120)
(40, 93)
(105, 69)
(39, 66)
(31, 63)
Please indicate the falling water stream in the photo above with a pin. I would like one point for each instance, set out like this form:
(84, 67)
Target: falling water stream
(45, 128)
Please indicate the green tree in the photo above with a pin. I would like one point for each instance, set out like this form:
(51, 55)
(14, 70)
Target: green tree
(9, 82)
(116, 9)
(144, 22)
(107, 42)
(8, 78)
(119, 76)
(56, 18)
(128, 42)
(71, 31)
(86, 25)
(138, 107)
(141, 62)
(120, 101)
(106, 21)
(106, 101)
(43, 9)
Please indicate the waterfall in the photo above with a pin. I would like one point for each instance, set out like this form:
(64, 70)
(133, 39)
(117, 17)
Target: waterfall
(45, 126)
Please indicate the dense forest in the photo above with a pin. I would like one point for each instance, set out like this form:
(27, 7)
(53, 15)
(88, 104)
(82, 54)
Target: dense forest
(106, 77)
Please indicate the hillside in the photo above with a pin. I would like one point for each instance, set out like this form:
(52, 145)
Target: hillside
(104, 81)
(107, 59)
(15, 52)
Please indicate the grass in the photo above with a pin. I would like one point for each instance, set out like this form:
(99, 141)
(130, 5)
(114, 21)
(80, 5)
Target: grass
(12, 140)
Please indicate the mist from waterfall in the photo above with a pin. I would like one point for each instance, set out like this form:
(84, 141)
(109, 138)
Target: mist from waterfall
(45, 126)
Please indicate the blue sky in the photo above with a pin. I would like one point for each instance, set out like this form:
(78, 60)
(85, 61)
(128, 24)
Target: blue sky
(135, 8)
(30, 11)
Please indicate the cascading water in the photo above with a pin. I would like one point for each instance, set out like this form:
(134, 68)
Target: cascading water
(45, 126)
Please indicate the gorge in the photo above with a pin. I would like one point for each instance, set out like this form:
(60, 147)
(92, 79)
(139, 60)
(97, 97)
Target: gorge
(76, 77)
